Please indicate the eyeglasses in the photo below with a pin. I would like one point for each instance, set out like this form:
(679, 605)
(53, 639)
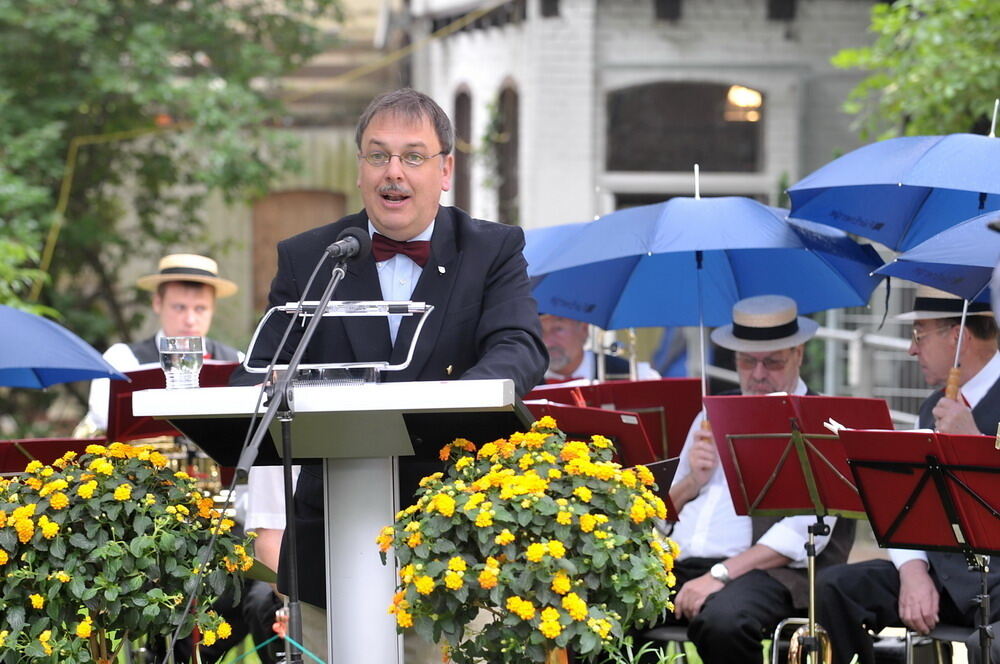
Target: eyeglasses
(749, 362)
(917, 337)
(380, 159)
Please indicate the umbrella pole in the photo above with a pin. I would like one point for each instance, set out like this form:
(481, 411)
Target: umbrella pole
(698, 257)
(993, 125)
(951, 387)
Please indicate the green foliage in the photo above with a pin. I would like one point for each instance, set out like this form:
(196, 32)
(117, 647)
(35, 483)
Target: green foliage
(545, 543)
(175, 99)
(104, 547)
(934, 68)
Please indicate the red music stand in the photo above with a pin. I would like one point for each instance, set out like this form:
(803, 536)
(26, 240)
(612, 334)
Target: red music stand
(625, 429)
(123, 426)
(780, 460)
(932, 491)
(666, 406)
(15, 454)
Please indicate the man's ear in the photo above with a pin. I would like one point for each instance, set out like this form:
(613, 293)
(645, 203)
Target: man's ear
(446, 172)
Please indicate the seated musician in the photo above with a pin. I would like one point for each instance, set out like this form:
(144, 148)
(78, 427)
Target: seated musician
(738, 576)
(565, 339)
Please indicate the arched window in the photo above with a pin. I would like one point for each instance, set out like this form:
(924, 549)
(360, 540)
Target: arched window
(508, 210)
(462, 185)
(670, 126)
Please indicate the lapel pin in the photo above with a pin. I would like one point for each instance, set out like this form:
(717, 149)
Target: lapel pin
(448, 370)
(441, 269)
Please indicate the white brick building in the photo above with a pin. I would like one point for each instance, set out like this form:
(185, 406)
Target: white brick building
(565, 63)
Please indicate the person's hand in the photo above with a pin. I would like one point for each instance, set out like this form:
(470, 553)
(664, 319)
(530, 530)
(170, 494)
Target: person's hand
(918, 597)
(693, 594)
(951, 416)
(703, 457)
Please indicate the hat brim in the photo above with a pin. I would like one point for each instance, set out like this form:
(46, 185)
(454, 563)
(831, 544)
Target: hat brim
(223, 287)
(934, 315)
(723, 336)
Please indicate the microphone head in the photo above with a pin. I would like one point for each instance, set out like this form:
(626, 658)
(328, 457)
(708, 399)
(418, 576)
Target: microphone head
(363, 239)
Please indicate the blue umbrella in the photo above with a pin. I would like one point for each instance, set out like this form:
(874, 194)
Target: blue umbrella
(958, 260)
(688, 260)
(35, 352)
(902, 191)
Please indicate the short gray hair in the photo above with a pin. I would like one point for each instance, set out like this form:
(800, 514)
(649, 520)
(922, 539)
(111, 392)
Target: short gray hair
(408, 103)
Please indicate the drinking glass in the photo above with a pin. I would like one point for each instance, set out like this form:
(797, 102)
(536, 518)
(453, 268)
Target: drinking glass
(181, 359)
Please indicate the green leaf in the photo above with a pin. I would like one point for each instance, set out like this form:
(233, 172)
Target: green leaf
(81, 541)
(76, 586)
(142, 523)
(111, 594)
(15, 619)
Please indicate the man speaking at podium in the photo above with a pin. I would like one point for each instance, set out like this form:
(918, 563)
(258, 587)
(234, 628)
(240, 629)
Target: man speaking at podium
(485, 321)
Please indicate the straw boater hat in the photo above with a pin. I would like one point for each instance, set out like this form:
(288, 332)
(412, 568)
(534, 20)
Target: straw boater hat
(765, 323)
(188, 267)
(932, 303)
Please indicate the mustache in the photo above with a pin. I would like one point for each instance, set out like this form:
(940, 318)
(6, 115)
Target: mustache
(394, 188)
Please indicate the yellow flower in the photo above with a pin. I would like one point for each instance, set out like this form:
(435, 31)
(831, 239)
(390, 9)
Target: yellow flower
(505, 537)
(443, 503)
(488, 578)
(181, 475)
(424, 584)
(84, 629)
(575, 606)
(453, 580)
(406, 573)
(484, 519)
(556, 549)
(61, 576)
(464, 462)
(587, 522)
(457, 564)
(4, 557)
(33, 466)
(208, 637)
(25, 529)
(123, 492)
(404, 619)
(629, 478)
(59, 501)
(44, 639)
(50, 487)
(49, 528)
(639, 510)
(475, 499)
(37, 601)
(415, 540)
(545, 422)
(535, 552)
(554, 473)
(225, 630)
(583, 493)
(3, 637)
(522, 608)
(561, 583)
(645, 475)
(96, 449)
(86, 490)
(34, 483)
(564, 518)
(600, 626)
(600, 441)
(550, 629)
(384, 539)
(158, 460)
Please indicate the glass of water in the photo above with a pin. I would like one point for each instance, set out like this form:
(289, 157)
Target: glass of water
(181, 359)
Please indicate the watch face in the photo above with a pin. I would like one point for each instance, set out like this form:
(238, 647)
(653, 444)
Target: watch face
(719, 571)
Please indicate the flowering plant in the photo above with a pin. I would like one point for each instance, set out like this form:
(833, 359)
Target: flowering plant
(103, 547)
(528, 545)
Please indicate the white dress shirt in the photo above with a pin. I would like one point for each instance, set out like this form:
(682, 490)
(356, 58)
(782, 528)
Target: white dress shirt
(974, 390)
(708, 526)
(398, 277)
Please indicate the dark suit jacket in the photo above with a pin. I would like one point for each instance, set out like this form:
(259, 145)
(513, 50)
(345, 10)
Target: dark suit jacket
(484, 325)
(950, 569)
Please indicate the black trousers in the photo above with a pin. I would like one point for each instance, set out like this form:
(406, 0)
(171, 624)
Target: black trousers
(732, 621)
(851, 599)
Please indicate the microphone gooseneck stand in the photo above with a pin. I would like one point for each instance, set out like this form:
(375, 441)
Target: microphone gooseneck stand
(281, 406)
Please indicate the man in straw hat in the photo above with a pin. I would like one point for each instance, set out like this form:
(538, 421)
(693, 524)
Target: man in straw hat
(184, 292)
(921, 589)
(739, 576)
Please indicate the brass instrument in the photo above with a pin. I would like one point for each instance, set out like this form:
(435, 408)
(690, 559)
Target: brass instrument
(822, 651)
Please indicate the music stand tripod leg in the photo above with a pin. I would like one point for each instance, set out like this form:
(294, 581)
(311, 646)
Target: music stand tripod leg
(810, 643)
(984, 629)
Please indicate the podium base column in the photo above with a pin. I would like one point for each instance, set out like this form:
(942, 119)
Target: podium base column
(360, 498)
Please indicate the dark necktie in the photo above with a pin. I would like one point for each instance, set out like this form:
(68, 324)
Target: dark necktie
(384, 248)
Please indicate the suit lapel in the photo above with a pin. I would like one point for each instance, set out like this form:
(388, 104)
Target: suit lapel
(434, 287)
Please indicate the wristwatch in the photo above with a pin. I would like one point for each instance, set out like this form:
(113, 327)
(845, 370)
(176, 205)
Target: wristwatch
(720, 572)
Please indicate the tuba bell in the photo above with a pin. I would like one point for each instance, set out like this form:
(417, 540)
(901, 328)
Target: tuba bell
(798, 653)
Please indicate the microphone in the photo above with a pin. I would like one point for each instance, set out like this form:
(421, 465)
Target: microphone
(352, 244)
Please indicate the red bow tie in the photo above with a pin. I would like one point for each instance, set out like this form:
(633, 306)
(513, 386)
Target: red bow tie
(384, 248)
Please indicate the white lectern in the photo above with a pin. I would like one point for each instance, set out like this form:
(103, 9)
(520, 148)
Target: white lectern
(358, 431)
